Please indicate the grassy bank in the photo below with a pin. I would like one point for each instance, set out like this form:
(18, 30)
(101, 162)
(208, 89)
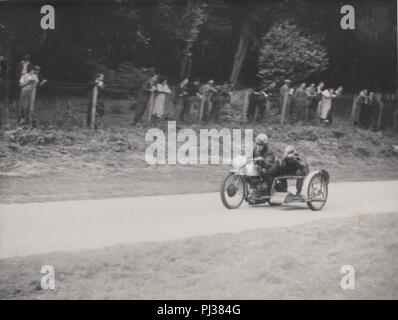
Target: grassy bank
(67, 161)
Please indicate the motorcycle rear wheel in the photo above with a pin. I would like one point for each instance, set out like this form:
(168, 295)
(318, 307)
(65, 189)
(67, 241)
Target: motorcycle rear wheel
(240, 183)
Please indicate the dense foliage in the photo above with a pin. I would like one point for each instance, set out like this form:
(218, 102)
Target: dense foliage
(287, 53)
(220, 39)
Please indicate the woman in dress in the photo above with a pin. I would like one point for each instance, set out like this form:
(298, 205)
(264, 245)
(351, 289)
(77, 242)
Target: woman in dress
(319, 90)
(326, 104)
(161, 90)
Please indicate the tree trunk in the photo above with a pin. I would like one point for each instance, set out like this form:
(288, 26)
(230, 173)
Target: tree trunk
(240, 54)
(43, 38)
(186, 60)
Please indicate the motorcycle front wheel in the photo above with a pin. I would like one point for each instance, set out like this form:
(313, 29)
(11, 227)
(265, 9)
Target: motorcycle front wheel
(233, 191)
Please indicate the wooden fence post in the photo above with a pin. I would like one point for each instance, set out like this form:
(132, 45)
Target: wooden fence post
(245, 105)
(93, 106)
(31, 110)
(284, 107)
(202, 104)
(150, 107)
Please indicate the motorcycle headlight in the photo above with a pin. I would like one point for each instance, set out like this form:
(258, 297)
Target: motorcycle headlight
(239, 162)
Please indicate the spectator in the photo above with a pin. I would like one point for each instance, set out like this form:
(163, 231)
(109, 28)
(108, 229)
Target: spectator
(301, 102)
(356, 107)
(326, 104)
(285, 96)
(191, 99)
(259, 101)
(256, 98)
(28, 84)
(265, 102)
(319, 90)
(181, 92)
(24, 66)
(206, 92)
(219, 99)
(312, 97)
(377, 111)
(145, 97)
(365, 111)
(161, 90)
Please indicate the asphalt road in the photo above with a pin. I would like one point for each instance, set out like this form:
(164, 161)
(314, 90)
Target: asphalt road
(35, 228)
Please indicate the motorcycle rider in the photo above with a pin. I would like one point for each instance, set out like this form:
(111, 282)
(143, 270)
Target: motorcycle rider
(294, 164)
(266, 159)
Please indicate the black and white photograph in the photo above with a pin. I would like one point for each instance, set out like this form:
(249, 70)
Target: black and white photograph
(198, 150)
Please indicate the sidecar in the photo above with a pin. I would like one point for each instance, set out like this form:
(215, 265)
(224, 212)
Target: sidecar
(314, 191)
(235, 188)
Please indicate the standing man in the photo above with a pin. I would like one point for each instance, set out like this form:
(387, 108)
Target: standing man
(192, 98)
(254, 101)
(24, 66)
(144, 98)
(28, 84)
(356, 107)
(285, 95)
(301, 102)
(181, 92)
(312, 102)
(263, 104)
(219, 99)
(365, 111)
(377, 110)
(206, 92)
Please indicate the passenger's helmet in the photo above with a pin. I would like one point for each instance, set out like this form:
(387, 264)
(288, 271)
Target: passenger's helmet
(289, 150)
(262, 139)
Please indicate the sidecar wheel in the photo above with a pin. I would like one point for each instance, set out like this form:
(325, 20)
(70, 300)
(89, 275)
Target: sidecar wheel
(317, 192)
(233, 191)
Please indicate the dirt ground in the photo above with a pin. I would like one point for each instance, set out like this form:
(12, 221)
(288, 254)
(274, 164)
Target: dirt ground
(302, 262)
(63, 160)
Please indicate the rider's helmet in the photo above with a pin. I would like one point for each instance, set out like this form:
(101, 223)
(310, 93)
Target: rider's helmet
(289, 150)
(262, 139)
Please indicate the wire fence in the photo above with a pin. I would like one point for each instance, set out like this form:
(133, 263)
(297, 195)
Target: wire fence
(58, 96)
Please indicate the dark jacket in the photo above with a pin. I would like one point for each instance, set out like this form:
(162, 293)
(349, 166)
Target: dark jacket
(192, 89)
(220, 96)
(268, 158)
(148, 85)
(290, 165)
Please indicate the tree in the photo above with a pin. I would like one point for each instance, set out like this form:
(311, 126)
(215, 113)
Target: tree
(175, 31)
(286, 52)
